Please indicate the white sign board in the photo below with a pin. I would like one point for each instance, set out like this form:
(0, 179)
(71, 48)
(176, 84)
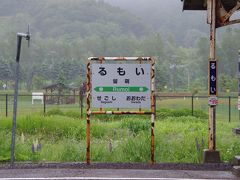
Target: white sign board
(121, 85)
(37, 96)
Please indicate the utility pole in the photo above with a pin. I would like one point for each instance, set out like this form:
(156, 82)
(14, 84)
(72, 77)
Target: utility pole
(14, 122)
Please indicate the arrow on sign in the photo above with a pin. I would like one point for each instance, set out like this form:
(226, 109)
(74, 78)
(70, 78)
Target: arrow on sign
(120, 89)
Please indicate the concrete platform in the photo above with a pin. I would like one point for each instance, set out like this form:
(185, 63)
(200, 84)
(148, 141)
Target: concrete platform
(74, 174)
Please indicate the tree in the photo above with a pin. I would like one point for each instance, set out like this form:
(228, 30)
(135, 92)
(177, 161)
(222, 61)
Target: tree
(224, 82)
(6, 73)
(230, 47)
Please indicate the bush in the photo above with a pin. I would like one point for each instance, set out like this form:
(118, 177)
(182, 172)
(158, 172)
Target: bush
(184, 119)
(164, 113)
(5, 143)
(136, 125)
(55, 127)
(72, 114)
(181, 112)
(54, 112)
(200, 114)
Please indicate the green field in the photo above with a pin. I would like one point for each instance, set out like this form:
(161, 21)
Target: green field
(25, 106)
(60, 136)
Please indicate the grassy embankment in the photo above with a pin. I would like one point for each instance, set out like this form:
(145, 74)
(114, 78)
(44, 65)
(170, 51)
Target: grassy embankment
(60, 136)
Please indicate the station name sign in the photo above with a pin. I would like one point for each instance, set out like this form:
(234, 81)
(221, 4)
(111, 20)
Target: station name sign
(121, 85)
(213, 78)
(212, 87)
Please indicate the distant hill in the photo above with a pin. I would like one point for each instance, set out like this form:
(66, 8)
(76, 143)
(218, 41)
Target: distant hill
(71, 18)
(166, 16)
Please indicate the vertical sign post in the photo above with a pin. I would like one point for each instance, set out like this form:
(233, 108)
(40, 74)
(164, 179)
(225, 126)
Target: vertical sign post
(6, 105)
(239, 82)
(128, 85)
(14, 122)
(88, 112)
(211, 155)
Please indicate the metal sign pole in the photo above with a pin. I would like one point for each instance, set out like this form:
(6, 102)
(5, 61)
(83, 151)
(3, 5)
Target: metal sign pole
(88, 113)
(15, 100)
(153, 116)
(19, 42)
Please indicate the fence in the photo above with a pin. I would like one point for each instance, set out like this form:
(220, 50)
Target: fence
(226, 109)
(26, 105)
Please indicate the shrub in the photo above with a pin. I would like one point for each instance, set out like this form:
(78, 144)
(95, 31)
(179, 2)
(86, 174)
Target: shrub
(5, 144)
(184, 119)
(164, 113)
(200, 114)
(55, 111)
(72, 114)
(136, 125)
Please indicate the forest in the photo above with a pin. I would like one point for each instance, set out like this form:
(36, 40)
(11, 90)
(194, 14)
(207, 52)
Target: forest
(66, 33)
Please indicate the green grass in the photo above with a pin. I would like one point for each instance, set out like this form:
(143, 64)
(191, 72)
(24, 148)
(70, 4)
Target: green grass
(202, 104)
(25, 106)
(116, 138)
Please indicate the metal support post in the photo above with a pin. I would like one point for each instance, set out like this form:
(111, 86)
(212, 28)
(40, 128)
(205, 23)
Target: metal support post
(19, 42)
(88, 115)
(6, 105)
(44, 104)
(153, 116)
(192, 106)
(229, 109)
